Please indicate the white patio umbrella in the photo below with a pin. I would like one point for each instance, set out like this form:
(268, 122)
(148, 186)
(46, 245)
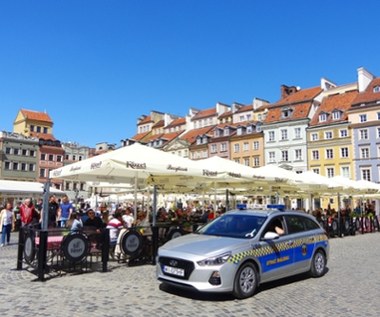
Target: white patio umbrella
(126, 164)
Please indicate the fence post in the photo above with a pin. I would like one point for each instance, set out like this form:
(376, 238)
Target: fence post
(20, 248)
(42, 250)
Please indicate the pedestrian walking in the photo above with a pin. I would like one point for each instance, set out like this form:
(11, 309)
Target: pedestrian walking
(6, 224)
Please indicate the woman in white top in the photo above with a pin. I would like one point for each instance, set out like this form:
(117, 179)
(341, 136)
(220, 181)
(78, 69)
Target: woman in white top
(6, 223)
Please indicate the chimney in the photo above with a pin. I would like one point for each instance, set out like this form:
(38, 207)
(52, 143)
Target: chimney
(364, 78)
(287, 91)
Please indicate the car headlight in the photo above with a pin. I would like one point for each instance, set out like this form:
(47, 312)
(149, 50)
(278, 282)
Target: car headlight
(217, 260)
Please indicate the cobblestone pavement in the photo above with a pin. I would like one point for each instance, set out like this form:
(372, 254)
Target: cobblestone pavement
(351, 287)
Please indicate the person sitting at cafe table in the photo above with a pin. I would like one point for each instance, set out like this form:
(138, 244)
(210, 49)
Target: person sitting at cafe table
(75, 223)
(93, 222)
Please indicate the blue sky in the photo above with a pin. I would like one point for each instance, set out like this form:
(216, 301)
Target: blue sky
(96, 66)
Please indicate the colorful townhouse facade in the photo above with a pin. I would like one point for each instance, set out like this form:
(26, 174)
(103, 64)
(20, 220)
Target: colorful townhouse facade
(364, 118)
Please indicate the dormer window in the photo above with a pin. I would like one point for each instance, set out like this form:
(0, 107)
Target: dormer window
(376, 89)
(336, 115)
(239, 131)
(199, 140)
(286, 113)
(323, 117)
(249, 129)
(226, 131)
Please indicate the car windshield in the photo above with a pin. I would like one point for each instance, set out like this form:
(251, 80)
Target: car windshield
(234, 226)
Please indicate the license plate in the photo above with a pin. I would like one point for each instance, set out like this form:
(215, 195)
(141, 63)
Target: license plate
(174, 270)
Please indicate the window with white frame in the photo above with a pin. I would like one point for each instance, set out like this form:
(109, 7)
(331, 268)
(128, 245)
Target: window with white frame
(328, 135)
(329, 153)
(239, 131)
(297, 133)
(378, 132)
(246, 146)
(285, 155)
(376, 89)
(213, 148)
(223, 147)
(314, 137)
(366, 173)
(323, 117)
(343, 133)
(249, 129)
(271, 136)
(256, 145)
(364, 153)
(378, 116)
(363, 134)
(330, 172)
(344, 152)
(345, 171)
(336, 115)
(363, 118)
(236, 148)
(246, 161)
(284, 134)
(226, 131)
(256, 161)
(271, 157)
(298, 154)
(315, 154)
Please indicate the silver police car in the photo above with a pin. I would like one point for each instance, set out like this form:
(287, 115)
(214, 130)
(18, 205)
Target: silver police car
(243, 248)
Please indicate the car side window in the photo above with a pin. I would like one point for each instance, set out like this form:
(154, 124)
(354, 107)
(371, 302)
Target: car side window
(275, 225)
(311, 225)
(295, 224)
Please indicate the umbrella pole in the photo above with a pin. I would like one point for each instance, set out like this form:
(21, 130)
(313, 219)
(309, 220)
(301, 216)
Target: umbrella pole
(154, 227)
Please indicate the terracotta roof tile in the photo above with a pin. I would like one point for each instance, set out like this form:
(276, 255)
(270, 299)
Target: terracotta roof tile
(140, 136)
(36, 115)
(204, 114)
(165, 136)
(340, 102)
(300, 111)
(299, 102)
(302, 95)
(159, 124)
(191, 135)
(225, 114)
(145, 120)
(45, 136)
(244, 109)
(368, 95)
(176, 122)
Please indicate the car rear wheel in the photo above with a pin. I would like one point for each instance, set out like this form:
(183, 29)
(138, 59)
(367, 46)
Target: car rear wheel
(318, 264)
(246, 281)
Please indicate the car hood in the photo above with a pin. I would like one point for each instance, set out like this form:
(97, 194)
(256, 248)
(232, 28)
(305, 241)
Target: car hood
(199, 244)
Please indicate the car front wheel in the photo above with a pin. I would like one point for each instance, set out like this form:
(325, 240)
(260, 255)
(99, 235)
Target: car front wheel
(318, 264)
(246, 281)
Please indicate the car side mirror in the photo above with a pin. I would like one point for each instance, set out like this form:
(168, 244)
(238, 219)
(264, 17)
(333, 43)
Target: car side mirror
(270, 236)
